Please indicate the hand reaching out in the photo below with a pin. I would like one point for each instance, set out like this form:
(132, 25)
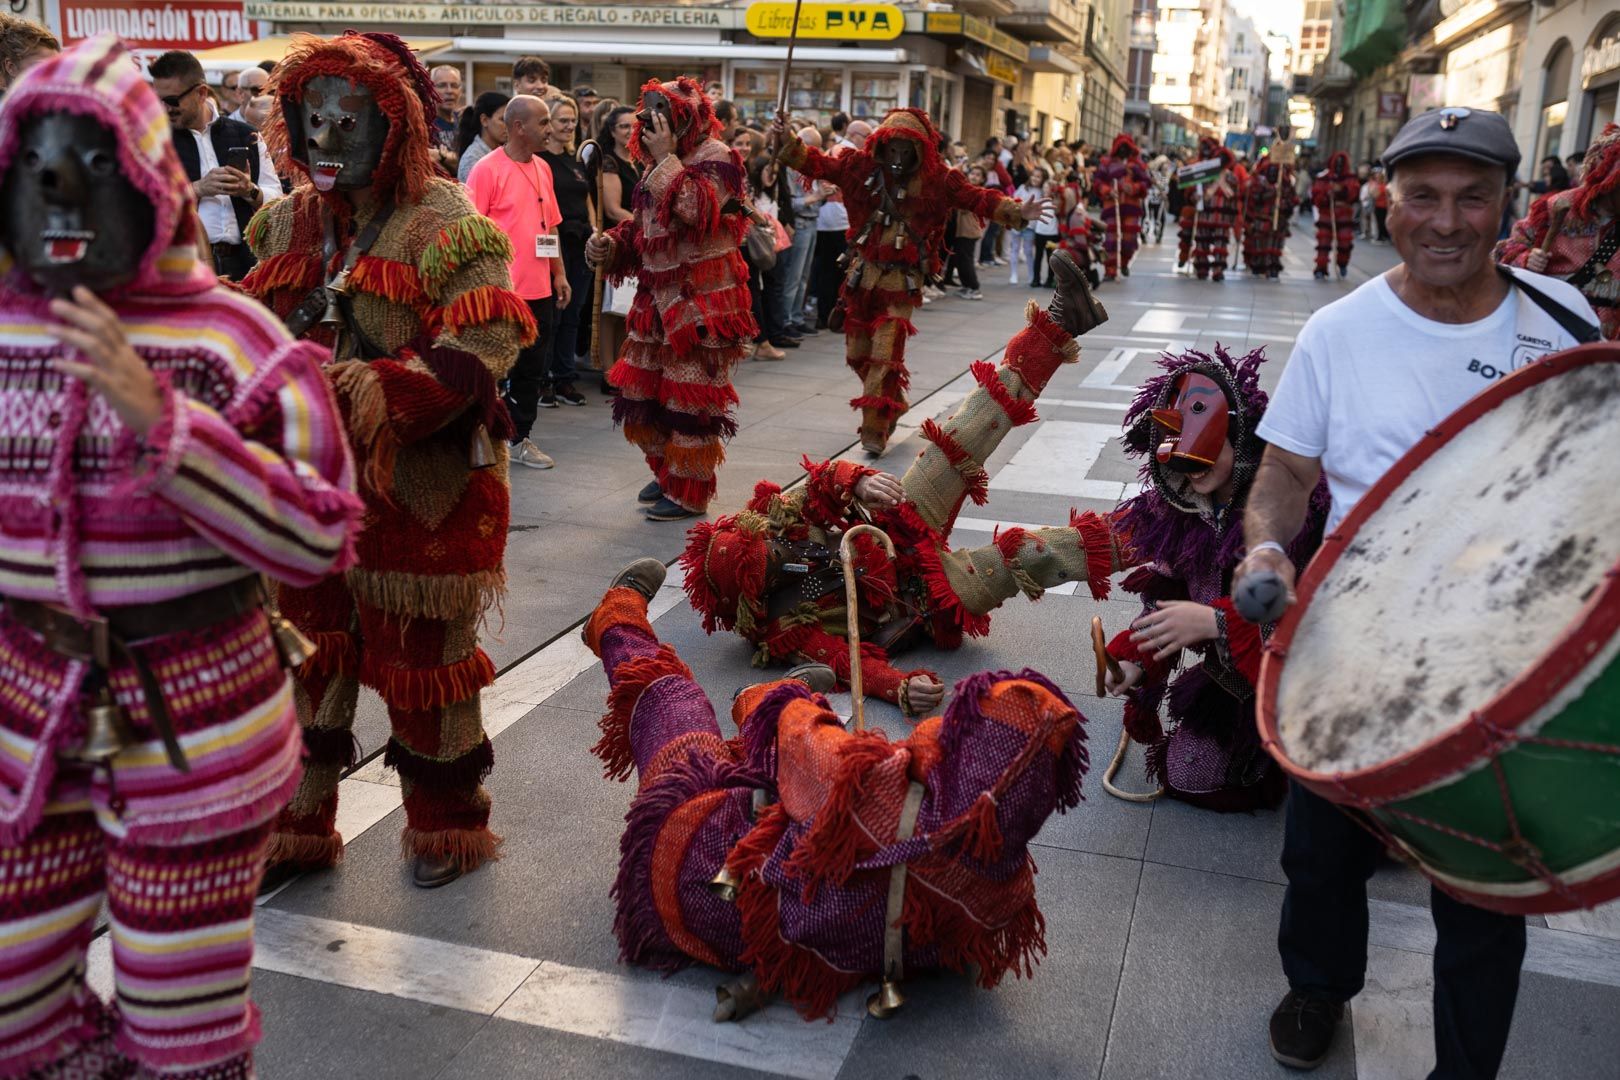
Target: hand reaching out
(878, 491)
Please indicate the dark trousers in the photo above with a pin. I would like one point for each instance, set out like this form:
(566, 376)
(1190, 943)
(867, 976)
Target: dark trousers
(962, 249)
(566, 337)
(826, 277)
(528, 375)
(766, 287)
(1328, 858)
(233, 260)
(987, 246)
(1043, 247)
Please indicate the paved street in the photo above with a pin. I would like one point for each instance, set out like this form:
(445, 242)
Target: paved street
(1161, 919)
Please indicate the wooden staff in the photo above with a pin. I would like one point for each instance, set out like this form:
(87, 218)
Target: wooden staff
(846, 552)
(589, 152)
(1555, 225)
(787, 72)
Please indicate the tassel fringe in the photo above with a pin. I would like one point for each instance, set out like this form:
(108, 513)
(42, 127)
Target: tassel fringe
(303, 849)
(421, 689)
(468, 849)
(630, 681)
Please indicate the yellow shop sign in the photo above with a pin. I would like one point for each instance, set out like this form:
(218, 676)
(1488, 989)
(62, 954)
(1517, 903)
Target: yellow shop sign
(845, 22)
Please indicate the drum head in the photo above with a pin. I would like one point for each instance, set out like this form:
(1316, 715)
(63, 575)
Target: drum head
(1477, 580)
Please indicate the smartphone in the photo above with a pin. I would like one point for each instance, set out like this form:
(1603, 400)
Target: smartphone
(240, 158)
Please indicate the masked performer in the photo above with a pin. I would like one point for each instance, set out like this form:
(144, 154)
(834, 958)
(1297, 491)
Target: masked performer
(1575, 234)
(166, 442)
(1334, 193)
(813, 858)
(418, 308)
(1209, 150)
(1122, 184)
(1268, 212)
(692, 317)
(1195, 426)
(900, 195)
(772, 573)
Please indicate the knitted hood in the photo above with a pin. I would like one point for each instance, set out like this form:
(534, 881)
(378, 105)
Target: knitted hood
(1208, 147)
(692, 109)
(1124, 148)
(383, 64)
(1338, 164)
(99, 79)
(910, 124)
(1600, 169)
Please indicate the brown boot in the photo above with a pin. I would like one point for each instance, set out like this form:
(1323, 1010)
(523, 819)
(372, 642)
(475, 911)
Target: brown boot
(1073, 306)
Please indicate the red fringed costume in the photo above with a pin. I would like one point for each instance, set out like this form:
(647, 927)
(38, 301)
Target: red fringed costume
(434, 295)
(1210, 213)
(833, 837)
(1122, 182)
(894, 247)
(1586, 250)
(692, 318)
(772, 573)
(1269, 200)
(1334, 193)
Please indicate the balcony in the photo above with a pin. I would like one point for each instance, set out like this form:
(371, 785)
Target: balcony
(1046, 20)
(1330, 76)
(985, 9)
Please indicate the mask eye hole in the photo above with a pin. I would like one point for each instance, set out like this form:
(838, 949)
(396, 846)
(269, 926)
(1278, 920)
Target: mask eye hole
(316, 120)
(346, 123)
(31, 158)
(1198, 407)
(101, 163)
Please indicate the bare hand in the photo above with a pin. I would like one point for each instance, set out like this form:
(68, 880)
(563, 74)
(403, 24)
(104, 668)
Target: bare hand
(1267, 559)
(879, 490)
(1536, 261)
(657, 140)
(778, 130)
(1037, 208)
(114, 370)
(1177, 625)
(923, 694)
(224, 180)
(598, 249)
(563, 290)
(1130, 675)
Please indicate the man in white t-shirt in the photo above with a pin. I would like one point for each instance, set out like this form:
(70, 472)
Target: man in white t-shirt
(1369, 375)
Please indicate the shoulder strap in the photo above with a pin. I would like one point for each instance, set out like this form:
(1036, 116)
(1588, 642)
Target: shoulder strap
(1605, 250)
(1576, 327)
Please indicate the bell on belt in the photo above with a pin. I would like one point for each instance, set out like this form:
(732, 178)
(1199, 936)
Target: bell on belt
(724, 886)
(886, 1002)
(338, 286)
(481, 454)
(295, 648)
(106, 730)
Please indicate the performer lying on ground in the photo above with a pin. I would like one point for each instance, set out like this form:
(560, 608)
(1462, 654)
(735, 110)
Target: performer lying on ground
(825, 838)
(166, 443)
(1586, 248)
(900, 195)
(1194, 427)
(772, 573)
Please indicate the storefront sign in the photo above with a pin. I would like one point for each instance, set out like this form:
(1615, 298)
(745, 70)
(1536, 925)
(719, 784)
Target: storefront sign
(953, 24)
(847, 22)
(1600, 59)
(1003, 68)
(1391, 105)
(519, 15)
(176, 24)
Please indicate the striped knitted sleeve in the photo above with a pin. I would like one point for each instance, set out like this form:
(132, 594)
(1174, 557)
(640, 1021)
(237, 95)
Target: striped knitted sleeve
(270, 481)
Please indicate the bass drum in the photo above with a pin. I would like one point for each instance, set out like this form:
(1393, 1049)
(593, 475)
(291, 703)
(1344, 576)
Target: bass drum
(1450, 669)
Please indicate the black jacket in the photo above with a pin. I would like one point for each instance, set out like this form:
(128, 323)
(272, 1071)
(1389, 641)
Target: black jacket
(224, 133)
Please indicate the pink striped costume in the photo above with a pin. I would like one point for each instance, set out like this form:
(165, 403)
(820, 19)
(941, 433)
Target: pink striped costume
(246, 472)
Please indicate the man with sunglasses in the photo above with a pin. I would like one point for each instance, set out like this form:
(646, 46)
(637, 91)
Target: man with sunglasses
(252, 99)
(226, 161)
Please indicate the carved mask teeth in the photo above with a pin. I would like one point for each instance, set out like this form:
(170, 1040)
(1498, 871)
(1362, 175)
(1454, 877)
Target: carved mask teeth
(324, 174)
(64, 247)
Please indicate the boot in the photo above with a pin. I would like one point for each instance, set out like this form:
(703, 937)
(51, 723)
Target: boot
(818, 677)
(646, 576)
(1073, 306)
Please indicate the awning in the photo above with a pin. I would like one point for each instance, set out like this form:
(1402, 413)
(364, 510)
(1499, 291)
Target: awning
(673, 50)
(273, 48)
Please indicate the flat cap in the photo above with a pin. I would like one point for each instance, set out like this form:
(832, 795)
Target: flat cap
(1475, 134)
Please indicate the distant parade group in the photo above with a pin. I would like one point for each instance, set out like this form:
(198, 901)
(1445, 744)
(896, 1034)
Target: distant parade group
(227, 505)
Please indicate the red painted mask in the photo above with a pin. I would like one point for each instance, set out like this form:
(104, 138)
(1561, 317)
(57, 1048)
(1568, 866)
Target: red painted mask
(1194, 425)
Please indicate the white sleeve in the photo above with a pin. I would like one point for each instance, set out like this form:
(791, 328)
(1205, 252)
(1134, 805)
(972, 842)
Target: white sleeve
(1297, 417)
(269, 182)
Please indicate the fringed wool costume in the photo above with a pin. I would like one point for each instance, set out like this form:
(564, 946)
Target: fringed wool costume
(246, 472)
(433, 295)
(1586, 250)
(894, 244)
(1269, 200)
(692, 318)
(1334, 193)
(817, 823)
(1122, 182)
(1186, 547)
(771, 573)
(1210, 214)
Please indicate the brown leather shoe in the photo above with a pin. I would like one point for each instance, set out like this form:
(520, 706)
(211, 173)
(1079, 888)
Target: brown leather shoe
(646, 576)
(430, 872)
(818, 677)
(1073, 306)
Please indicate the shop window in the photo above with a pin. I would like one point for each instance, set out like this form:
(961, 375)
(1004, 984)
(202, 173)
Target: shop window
(1554, 98)
(755, 91)
(873, 96)
(817, 93)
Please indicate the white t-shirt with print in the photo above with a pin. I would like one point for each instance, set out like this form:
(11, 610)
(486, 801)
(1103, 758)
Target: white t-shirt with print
(1369, 376)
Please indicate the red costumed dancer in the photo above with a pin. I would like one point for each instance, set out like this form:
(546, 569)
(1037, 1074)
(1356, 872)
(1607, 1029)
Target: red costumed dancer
(1269, 199)
(692, 318)
(1217, 206)
(1334, 193)
(899, 195)
(1122, 183)
(1209, 149)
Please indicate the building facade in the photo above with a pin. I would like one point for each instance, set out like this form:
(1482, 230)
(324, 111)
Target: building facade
(1188, 78)
(1571, 75)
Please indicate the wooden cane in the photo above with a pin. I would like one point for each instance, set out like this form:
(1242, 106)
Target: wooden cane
(787, 75)
(1108, 665)
(1555, 225)
(846, 552)
(590, 150)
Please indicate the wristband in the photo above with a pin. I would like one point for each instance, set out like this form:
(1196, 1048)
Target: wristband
(1267, 545)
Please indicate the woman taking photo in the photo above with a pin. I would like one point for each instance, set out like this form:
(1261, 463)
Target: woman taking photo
(619, 178)
(482, 129)
(573, 192)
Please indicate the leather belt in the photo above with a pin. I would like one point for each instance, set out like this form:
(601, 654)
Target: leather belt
(99, 639)
(222, 248)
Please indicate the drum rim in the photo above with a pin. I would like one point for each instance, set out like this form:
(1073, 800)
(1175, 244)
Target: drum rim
(1447, 754)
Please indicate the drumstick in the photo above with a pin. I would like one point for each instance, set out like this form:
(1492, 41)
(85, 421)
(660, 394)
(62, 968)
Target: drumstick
(847, 554)
(1106, 665)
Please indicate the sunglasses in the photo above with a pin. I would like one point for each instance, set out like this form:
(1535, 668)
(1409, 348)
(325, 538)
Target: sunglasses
(173, 100)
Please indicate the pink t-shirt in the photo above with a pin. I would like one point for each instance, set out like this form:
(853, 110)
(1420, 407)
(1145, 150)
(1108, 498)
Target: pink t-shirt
(520, 199)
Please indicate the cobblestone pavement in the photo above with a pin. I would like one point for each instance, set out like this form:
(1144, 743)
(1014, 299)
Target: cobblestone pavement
(1160, 918)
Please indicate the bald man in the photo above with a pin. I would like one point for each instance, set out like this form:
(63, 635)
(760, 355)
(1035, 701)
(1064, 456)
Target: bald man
(512, 186)
(857, 133)
(447, 83)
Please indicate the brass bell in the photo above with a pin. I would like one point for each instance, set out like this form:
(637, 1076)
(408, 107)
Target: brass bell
(481, 454)
(106, 730)
(295, 648)
(886, 1002)
(338, 286)
(724, 885)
